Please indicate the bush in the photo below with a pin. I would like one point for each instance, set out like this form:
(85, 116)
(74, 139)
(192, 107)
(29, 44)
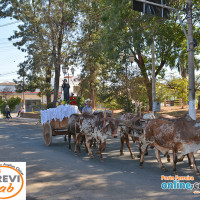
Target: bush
(80, 101)
(12, 102)
(43, 106)
(2, 106)
(50, 105)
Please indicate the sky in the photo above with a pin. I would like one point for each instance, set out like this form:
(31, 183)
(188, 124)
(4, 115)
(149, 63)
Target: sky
(10, 56)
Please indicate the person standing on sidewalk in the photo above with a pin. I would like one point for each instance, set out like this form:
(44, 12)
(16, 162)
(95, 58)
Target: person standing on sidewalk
(7, 109)
(19, 112)
(22, 112)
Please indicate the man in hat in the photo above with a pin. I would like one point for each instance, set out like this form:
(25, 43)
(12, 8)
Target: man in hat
(88, 107)
(66, 87)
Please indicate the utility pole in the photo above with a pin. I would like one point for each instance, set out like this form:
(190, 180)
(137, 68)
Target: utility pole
(139, 5)
(192, 111)
(23, 102)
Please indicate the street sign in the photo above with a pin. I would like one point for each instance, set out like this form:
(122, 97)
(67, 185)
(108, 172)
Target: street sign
(153, 7)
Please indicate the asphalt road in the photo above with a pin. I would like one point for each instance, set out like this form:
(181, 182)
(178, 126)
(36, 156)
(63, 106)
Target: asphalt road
(55, 173)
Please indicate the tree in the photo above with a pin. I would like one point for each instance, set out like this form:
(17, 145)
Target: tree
(87, 47)
(45, 31)
(126, 30)
(12, 102)
(105, 28)
(179, 89)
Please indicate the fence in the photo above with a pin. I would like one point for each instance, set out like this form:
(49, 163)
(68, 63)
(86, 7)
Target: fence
(173, 102)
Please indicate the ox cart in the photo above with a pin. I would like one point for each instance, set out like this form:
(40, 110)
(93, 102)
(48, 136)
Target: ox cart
(55, 121)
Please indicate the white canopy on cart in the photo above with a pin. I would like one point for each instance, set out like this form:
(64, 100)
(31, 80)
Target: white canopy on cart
(58, 113)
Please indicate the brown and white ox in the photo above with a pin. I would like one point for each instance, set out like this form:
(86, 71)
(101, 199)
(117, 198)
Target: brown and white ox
(177, 135)
(98, 127)
(132, 126)
(73, 127)
(157, 153)
(126, 131)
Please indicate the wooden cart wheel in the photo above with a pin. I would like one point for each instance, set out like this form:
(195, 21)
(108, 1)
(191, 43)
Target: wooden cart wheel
(47, 133)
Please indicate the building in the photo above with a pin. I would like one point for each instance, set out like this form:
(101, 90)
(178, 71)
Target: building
(32, 100)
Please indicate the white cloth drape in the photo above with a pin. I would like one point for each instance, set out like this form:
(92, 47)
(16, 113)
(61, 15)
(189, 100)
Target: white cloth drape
(58, 113)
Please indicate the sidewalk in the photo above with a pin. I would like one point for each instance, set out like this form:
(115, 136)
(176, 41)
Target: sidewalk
(12, 114)
(19, 119)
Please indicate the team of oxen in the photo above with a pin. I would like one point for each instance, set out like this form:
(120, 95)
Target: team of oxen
(163, 134)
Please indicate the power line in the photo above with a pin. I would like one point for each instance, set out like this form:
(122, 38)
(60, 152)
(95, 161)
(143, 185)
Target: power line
(9, 24)
(8, 73)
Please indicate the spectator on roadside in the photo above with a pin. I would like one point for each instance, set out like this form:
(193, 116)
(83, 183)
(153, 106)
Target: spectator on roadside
(19, 112)
(88, 107)
(22, 112)
(7, 109)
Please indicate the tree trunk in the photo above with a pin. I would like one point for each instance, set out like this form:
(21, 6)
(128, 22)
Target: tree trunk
(183, 72)
(57, 59)
(48, 81)
(56, 83)
(48, 96)
(92, 96)
(147, 82)
(149, 93)
(56, 78)
(92, 88)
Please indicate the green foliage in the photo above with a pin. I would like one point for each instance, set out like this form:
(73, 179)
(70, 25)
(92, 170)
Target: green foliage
(44, 35)
(163, 92)
(12, 102)
(2, 106)
(80, 101)
(91, 34)
(50, 105)
(179, 89)
(120, 90)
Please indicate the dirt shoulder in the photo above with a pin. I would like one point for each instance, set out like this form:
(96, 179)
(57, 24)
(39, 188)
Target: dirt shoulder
(175, 111)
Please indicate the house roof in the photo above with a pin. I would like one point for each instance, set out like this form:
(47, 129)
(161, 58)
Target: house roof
(7, 84)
